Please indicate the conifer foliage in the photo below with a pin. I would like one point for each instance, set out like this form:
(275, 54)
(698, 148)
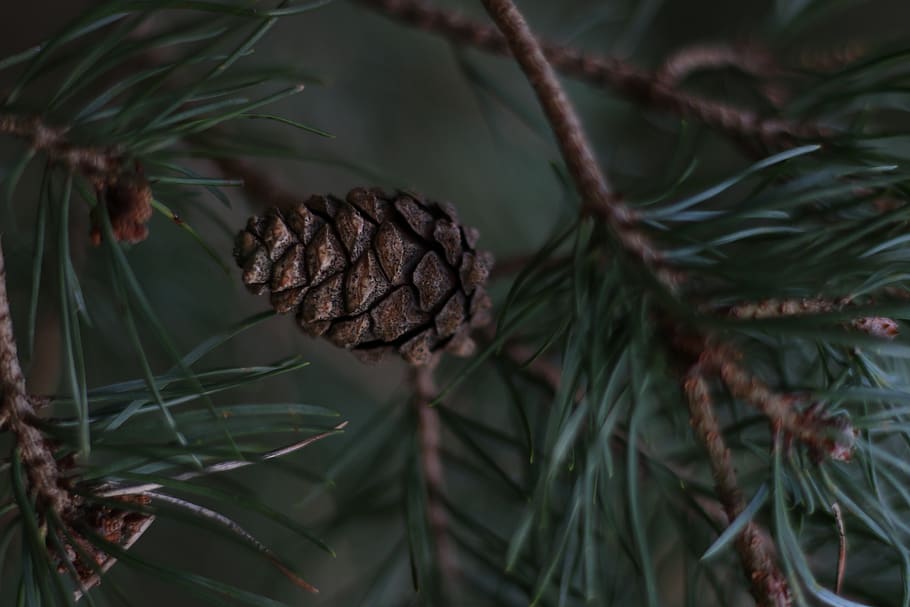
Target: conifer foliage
(695, 392)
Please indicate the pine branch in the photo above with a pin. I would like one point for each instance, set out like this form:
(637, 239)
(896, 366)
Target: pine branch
(877, 326)
(769, 586)
(17, 414)
(599, 198)
(52, 142)
(642, 87)
(126, 193)
(82, 518)
(591, 182)
(688, 60)
(748, 59)
(825, 436)
(429, 438)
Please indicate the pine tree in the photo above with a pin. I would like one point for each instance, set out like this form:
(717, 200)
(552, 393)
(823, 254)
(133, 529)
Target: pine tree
(687, 388)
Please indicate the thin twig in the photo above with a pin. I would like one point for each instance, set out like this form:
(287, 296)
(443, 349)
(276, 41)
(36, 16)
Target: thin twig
(825, 436)
(592, 184)
(429, 439)
(125, 193)
(17, 414)
(640, 86)
(564, 121)
(52, 141)
(688, 60)
(769, 586)
(748, 59)
(877, 326)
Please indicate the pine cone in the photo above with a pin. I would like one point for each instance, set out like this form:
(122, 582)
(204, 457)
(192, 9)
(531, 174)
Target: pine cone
(372, 273)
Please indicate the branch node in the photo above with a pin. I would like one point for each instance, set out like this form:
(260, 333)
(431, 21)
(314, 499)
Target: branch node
(824, 435)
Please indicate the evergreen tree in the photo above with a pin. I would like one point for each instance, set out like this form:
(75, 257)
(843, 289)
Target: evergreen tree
(684, 381)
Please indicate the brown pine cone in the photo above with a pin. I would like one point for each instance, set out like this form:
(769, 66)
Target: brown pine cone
(371, 273)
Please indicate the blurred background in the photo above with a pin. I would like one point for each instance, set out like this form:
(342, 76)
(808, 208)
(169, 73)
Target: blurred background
(408, 109)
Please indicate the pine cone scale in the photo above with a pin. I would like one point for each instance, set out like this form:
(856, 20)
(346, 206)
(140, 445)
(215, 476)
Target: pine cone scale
(371, 273)
(366, 283)
(276, 236)
(434, 281)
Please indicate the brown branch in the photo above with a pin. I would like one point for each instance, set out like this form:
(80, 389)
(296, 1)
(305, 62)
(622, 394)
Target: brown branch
(877, 326)
(640, 86)
(748, 59)
(429, 437)
(777, 308)
(52, 141)
(699, 57)
(576, 151)
(125, 193)
(592, 184)
(824, 436)
(769, 586)
(17, 414)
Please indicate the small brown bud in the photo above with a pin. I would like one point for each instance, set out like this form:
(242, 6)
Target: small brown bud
(128, 199)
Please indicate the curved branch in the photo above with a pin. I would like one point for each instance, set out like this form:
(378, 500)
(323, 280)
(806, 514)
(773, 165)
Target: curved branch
(640, 86)
(126, 194)
(876, 326)
(17, 414)
(769, 586)
(599, 198)
(825, 436)
(576, 150)
(699, 57)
